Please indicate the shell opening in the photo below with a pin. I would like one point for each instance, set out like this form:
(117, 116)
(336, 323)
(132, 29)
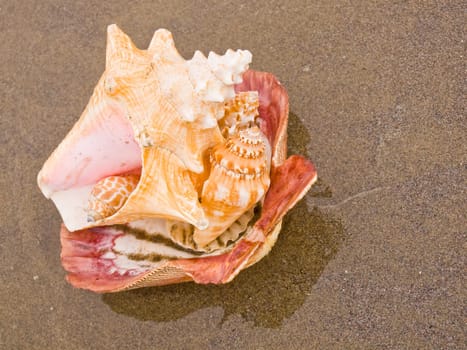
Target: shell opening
(95, 148)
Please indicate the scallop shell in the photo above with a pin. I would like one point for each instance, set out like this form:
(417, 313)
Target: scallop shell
(156, 115)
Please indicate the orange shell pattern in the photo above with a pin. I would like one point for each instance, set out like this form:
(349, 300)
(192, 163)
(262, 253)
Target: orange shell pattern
(239, 179)
(109, 195)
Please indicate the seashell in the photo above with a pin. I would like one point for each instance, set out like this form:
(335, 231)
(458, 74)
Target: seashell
(109, 195)
(144, 99)
(85, 253)
(239, 113)
(145, 161)
(88, 255)
(238, 180)
(182, 233)
(273, 110)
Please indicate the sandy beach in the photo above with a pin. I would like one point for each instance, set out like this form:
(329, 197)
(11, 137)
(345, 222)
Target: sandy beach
(372, 258)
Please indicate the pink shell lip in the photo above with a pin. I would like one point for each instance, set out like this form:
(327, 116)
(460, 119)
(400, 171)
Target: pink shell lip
(82, 251)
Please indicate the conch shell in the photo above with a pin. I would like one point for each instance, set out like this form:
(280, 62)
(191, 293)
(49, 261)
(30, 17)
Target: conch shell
(141, 179)
(152, 91)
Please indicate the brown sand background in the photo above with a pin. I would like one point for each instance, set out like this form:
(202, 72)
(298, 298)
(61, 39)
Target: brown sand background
(373, 257)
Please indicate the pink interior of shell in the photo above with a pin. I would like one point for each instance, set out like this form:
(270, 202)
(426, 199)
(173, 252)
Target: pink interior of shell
(103, 148)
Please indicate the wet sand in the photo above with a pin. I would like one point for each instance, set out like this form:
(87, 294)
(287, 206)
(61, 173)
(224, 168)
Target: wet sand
(373, 257)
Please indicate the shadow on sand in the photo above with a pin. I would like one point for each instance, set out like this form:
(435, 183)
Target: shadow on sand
(268, 292)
